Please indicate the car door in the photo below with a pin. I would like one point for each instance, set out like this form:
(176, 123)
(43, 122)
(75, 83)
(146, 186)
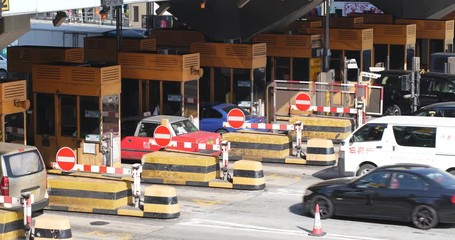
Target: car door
(134, 147)
(357, 199)
(396, 201)
(413, 144)
(211, 119)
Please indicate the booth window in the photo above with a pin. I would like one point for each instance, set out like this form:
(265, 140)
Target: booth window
(68, 115)
(14, 127)
(90, 115)
(45, 114)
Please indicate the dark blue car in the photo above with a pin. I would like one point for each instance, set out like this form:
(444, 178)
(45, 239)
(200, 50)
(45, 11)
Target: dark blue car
(213, 115)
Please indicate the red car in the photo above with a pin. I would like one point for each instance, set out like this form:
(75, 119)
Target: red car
(137, 134)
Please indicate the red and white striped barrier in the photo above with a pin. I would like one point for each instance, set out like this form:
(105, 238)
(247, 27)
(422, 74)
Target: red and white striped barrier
(26, 201)
(193, 145)
(10, 200)
(14, 130)
(329, 109)
(265, 126)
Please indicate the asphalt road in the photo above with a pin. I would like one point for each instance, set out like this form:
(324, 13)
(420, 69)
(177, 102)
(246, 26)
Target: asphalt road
(226, 214)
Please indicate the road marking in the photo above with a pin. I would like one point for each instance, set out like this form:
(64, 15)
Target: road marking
(110, 235)
(236, 226)
(284, 191)
(206, 202)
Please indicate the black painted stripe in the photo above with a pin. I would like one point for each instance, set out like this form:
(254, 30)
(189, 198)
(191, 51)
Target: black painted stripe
(249, 173)
(152, 180)
(197, 184)
(88, 194)
(104, 211)
(321, 163)
(249, 187)
(53, 233)
(309, 128)
(131, 150)
(160, 200)
(320, 150)
(274, 160)
(261, 146)
(161, 215)
(179, 168)
(11, 226)
(58, 208)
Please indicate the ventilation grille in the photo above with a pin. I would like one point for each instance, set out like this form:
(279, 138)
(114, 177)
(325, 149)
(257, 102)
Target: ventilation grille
(191, 60)
(433, 26)
(367, 35)
(270, 40)
(295, 41)
(347, 35)
(14, 90)
(205, 49)
(236, 50)
(393, 30)
(48, 73)
(166, 62)
(412, 30)
(111, 74)
(259, 50)
(83, 75)
(137, 60)
(75, 56)
(22, 54)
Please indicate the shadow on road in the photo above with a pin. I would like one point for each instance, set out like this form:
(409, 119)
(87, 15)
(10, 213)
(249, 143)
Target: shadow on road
(328, 173)
(297, 209)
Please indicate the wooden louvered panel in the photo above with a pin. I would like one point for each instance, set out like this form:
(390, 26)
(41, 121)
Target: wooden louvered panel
(347, 39)
(75, 80)
(14, 90)
(164, 67)
(269, 39)
(21, 58)
(374, 18)
(431, 28)
(204, 49)
(284, 45)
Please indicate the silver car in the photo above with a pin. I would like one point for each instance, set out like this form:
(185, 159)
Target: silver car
(22, 170)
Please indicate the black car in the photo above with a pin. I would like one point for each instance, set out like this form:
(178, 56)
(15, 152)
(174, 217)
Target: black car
(413, 193)
(442, 109)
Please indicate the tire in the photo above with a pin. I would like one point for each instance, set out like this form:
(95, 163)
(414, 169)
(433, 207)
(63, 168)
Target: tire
(364, 169)
(393, 110)
(326, 209)
(3, 74)
(452, 171)
(424, 217)
(221, 131)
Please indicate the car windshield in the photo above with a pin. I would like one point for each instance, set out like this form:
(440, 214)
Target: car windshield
(230, 107)
(443, 178)
(24, 163)
(183, 127)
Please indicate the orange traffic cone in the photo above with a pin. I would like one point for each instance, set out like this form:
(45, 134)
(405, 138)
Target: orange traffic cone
(317, 228)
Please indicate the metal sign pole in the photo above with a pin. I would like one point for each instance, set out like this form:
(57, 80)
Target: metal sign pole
(225, 146)
(136, 172)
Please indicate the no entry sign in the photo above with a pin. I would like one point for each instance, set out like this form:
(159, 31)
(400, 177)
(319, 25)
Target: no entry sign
(66, 159)
(162, 136)
(303, 101)
(236, 118)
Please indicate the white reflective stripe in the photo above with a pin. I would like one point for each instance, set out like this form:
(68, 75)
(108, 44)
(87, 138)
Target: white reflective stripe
(187, 145)
(303, 102)
(202, 146)
(111, 170)
(162, 136)
(65, 159)
(94, 168)
(236, 119)
(261, 126)
(276, 126)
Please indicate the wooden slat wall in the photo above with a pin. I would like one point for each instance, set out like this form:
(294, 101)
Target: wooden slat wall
(21, 58)
(76, 80)
(374, 18)
(281, 45)
(245, 56)
(341, 22)
(431, 29)
(297, 25)
(104, 49)
(392, 33)
(355, 39)
(10, 92)
(148, 66)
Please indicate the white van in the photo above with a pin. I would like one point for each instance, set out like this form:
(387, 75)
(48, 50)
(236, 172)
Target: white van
(399, 139)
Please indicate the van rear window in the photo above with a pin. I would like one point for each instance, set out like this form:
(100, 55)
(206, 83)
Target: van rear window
(23, 163)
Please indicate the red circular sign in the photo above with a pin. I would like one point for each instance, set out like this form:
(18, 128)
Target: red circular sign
(66, 159)
(303, 101)
(236, 118)
(162, 136)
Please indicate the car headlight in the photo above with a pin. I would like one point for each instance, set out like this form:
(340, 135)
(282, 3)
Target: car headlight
(308, 192)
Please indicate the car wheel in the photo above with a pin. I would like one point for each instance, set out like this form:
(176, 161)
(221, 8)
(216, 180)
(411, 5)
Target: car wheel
(3, 74)
(364, 169)
(221, 131)
(325, 206)
(424, 217)
(452, 172)
(393, 110)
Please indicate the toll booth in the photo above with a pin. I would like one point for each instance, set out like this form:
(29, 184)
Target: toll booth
(292, 57)
(237, 71)
(104, 49)
(352, 43)
(394, 44)
(176, 40)
(161, 83)
(20, 62)
(374, 18)
(77, 106)
(432, 36)
(13, 107)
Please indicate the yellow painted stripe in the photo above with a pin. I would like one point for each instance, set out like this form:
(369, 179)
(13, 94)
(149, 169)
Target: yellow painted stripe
(17, 234)
(218, 184)
(185, 159)
(130, 212)
(259, 154)
(89, 184)
(295, 160)
(321, 157)
(160, 208)
(180, 177)
(248, 165)
(10, 216)
(248, 181)
(92, 202)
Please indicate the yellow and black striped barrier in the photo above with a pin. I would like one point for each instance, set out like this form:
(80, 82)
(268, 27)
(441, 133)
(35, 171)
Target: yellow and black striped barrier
(335, 129)
(320, 152)
(248, 175)
(52, 227)
(161, 202)
(264, 147)
(11, 224)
